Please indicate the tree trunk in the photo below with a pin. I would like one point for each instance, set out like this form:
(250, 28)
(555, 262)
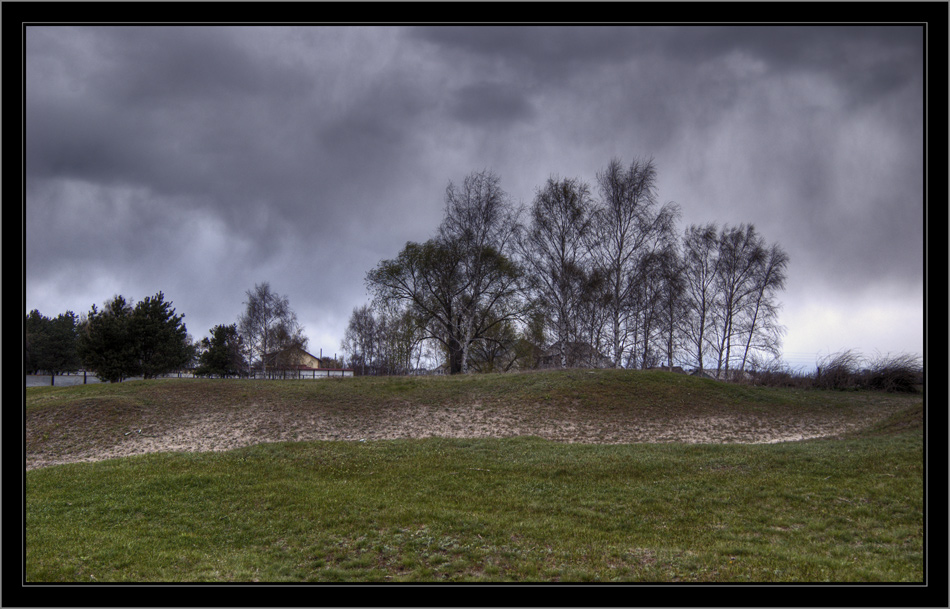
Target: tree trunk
(466, 341)
(455, 356)
(618, 356)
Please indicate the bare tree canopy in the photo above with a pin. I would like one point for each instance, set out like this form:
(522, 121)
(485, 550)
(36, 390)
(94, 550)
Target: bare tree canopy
(574, 280)
(630, 226)
(461, 283)
(555, 249)
(480, 220)
(732, 280)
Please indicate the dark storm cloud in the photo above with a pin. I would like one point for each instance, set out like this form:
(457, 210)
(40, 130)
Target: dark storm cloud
(194, 111)
(201, 161)
(558, 47)
(867, 60)
(182, 64)
(212, 158)
(139, 90)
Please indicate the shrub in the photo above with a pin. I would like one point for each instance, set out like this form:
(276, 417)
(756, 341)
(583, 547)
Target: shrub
(899, 373)
(838, 371)
(849, 370)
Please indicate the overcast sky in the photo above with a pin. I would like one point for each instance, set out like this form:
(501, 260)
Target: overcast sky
(199, 161)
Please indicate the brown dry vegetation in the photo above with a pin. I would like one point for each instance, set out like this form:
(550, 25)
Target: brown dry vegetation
(95, 422)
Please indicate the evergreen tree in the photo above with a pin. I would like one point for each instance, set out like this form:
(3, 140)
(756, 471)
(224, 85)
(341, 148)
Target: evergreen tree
(52, 343)
(159, 337)
(222, 354)
(33, 326)
(105, 346)
(121, 341)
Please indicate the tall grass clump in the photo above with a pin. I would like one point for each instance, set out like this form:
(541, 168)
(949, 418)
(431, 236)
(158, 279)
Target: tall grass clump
(838, 371)
(777, 373)
(848, 371)
(899, 373)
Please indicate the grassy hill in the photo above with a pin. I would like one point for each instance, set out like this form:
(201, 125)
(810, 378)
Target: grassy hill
(555, 476)
(594, 388)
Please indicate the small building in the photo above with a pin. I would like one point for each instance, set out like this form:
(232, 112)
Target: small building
(292, 361)
(296, 363)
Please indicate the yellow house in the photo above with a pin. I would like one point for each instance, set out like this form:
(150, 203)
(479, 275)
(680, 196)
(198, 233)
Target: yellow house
(293, 358)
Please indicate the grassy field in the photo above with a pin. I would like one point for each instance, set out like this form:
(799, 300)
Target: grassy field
(515, 507)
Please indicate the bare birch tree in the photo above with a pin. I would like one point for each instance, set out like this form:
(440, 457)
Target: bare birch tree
(700, 260)
(672, 307)
(630, 225)
(762, 330)
(741, 254)
(268, 324)
(481, 220)
(555, 251)
(359, 339)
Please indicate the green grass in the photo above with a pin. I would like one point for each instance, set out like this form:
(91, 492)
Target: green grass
(601, 390)
(500, 510)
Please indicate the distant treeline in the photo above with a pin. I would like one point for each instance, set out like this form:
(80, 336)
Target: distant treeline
(118, 342)
(573, 279)
(148, 339)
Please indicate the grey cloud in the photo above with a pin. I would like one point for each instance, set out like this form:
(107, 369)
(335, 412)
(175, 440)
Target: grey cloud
(869, 60)
(533, 59)
(192, 111)
(490, 104)
(553, 46)
(165, 65)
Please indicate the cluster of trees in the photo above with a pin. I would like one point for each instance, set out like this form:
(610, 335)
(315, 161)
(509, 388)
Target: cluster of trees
(383, 342)
(263, 337)
(575, 279)
(120, 341)
(51, 344)
(265, 332)
(148, 339)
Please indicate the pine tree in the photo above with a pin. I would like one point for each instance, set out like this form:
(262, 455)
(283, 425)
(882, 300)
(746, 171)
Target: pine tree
(222, 356)
(105, 346)
(121, 341)
(159, 337)
(52, 343)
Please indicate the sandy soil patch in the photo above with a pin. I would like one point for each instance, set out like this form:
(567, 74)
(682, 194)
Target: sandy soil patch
(58, 436)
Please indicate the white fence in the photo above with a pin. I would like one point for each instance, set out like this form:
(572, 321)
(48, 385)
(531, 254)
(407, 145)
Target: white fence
(312, 373)
(69, 380)
(62, 380)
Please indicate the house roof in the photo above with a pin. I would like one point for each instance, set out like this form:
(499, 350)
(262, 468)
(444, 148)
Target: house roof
(273, 353)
